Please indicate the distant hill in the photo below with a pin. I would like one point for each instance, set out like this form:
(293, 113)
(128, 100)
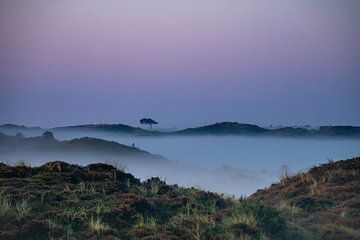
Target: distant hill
(341, 131)
(325, 201)
(110, 128)
(234, 128)
(290, 131)
(12, 129)
(224, 128)
(50, 148)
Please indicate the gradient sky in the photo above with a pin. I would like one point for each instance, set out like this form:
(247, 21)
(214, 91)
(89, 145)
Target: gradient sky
(181, 62)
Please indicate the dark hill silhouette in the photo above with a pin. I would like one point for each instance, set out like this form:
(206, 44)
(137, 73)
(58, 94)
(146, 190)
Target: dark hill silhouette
(53, 148)
(339, 131)
(224, 128)
(234, 128)
(290, 131)
(110, 128)
(12, 129)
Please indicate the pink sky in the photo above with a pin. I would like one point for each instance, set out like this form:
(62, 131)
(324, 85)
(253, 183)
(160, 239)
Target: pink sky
(181, 62)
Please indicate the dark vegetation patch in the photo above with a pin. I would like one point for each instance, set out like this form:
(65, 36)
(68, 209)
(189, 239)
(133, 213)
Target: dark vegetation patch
(63, 201)
(98, 201)
(325, 201)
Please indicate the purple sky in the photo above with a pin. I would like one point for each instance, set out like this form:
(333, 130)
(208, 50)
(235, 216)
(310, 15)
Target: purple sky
(181, 62)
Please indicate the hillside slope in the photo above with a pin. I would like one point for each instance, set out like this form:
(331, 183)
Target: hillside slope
(12, 129)
(325, 201)
(47, 147)
(107, 128)
(224, 128)
(63, 201)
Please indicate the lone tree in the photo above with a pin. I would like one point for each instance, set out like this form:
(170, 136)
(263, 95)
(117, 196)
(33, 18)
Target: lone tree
(148, 121)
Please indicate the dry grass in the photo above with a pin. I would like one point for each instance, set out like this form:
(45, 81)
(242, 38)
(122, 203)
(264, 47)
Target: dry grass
(5, 205)
(22, 209)
(154, 187)
(96, 225)
(147, 221)
(287, 208)
(245, 218)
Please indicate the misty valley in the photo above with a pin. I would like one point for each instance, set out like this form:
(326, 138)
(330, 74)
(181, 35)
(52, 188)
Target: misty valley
(219, 181)
(227, 164)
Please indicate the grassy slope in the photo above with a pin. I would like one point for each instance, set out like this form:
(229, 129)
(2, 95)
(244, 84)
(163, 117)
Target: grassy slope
(65, 201)
(325, 201)
(62, 201)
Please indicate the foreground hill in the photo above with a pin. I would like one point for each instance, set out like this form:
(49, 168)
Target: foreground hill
(63, 201)
(325, 201)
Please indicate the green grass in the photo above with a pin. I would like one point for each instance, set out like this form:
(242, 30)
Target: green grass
(94, 204)
(97, 225)
(5, 205)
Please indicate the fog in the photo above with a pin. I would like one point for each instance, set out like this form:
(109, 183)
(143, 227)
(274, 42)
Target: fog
(232, 165)
(226, 164)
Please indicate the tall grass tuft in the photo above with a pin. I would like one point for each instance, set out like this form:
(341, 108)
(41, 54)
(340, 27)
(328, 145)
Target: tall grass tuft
(5, 205)
(22, 209)
(97, 226)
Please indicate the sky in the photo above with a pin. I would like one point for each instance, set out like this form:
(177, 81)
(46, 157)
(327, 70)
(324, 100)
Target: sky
(181, 62)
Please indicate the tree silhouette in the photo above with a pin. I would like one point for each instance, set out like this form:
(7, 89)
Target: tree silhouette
(148, 121)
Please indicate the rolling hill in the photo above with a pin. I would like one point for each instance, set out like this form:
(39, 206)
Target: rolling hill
(98, 201)
(217, 129)
(47, 147)
(323, 203)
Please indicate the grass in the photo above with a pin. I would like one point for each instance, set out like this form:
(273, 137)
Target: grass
(321, 203)
(245, 218)
(70, 215)
(145, 221)
(143, 190)
(96, 225)
(154, 187)
(5, 205)
(86, 188)
(350, 212)
(313, 186)
(287, 208)
(194, 224)
(22, 209)
(89, 203)
(19, 209)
